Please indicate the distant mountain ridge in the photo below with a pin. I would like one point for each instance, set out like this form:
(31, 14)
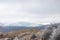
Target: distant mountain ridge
(13, 28)
(20, 26)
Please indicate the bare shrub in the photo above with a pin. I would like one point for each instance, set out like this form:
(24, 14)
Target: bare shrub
(33, 36)
(48, 32)
(56, 34)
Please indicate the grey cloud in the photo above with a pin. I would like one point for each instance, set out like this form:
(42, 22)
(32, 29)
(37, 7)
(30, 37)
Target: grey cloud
(36, 6)
(34, 9)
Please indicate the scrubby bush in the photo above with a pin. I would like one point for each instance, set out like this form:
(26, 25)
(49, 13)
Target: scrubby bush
(33, 36)
(52, 32)
(1, 36)
(48, 32)
(56, 34)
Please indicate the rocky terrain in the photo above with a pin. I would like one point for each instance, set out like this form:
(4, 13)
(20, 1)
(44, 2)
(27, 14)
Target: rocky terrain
(21, 35)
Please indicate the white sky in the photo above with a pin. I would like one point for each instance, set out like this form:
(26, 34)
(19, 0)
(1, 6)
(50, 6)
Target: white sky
(34, 11)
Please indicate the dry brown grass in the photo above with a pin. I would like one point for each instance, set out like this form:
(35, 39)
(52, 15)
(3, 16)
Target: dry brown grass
(27, 31)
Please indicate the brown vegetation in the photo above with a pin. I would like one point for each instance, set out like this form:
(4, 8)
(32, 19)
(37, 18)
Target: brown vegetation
(21, 34)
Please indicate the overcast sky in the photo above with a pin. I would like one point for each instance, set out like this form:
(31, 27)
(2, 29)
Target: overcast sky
(34, 11)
